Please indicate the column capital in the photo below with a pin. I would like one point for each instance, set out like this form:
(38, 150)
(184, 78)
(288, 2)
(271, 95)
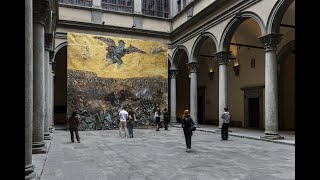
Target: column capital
(48, 37)
(223, 57)
(193, 66)
(51, 54)
(270, 41)
(173, 73)
(40, 11)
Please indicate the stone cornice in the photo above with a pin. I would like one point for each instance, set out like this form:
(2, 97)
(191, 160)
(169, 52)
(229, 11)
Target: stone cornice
(112, 29)
(40, 11)
(270, 41)
(193, 66)
(222, 57)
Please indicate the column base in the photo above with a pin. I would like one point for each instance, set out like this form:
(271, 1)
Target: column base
(29, 173)
(271, 136)
(47, 136)
(39, 147)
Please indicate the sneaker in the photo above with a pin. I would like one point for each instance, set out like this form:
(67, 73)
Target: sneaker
(188, 150)
(78, 141)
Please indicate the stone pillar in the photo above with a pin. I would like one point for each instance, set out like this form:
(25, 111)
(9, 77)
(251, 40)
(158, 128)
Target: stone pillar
(40, 10)
(48, 45)
(53, 83)
(137, 7)
(173, 8)
(96, 3)
(173, 95)
(270, 42)
(193, 66)
(28, 92)
(223, 59)
(51, 90)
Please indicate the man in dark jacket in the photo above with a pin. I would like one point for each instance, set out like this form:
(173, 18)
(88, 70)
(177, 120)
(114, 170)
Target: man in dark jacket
(165, 118)
(73, 124)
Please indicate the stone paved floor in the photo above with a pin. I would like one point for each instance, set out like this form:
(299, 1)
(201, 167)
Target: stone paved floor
(102, 155)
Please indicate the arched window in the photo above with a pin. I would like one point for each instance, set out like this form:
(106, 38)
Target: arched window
(118, 5)
(87, 3)
(159, 8)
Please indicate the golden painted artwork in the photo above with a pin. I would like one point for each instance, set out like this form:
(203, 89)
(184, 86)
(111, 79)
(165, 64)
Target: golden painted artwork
(107, 73)
(103, 55)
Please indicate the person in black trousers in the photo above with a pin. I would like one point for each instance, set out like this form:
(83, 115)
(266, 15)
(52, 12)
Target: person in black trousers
(226, 119)
(187, 123)
(73, 124)
(165, 118)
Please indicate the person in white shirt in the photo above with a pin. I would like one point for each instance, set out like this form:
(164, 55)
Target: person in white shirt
(226, 117)
(123, 122)
(157, 116)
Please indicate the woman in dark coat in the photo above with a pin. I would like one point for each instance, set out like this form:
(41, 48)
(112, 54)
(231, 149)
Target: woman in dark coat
(187, 123)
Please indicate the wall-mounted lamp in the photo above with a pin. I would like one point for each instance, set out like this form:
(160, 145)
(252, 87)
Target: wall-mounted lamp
(103, 22)
(236, 69)
(133, 26)
(211, 73)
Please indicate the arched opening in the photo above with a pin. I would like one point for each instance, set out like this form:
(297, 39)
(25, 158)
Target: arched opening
(60, 86)
(207, 79)
(245, 70)
(284, 23)
(180, 59)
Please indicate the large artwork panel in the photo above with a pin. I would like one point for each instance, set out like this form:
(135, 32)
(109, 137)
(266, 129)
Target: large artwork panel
(106, 73)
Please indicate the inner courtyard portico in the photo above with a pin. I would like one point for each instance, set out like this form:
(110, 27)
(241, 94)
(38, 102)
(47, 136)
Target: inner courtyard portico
(235, 54)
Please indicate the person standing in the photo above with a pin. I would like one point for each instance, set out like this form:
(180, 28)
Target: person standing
(157, 116)
(73, 124)
(165, 118)
(131, 120)
(123, 122)
(187, 123)
(226, 119)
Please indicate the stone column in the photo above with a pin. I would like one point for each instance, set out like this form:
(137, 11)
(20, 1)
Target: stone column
(96, 3)
(48, 42)
(51, 89)
(193, 66)
(173, 95)
(137, 7)
(40, 10)
(223, 59)
(270, 42)
(28, 92)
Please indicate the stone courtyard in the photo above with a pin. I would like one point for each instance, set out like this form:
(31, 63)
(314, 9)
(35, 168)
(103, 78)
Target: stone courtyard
(151, 154)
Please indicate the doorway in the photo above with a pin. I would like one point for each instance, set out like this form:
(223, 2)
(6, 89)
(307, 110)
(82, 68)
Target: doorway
(253, 112)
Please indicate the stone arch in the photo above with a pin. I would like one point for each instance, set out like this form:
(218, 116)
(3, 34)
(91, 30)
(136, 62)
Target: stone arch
(177, 53)
(285, 50)
(60, 46)
(276, 15)
(234, 24)
(199, 42)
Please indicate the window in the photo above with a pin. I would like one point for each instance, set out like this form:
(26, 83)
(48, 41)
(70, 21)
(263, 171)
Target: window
(184, 3)
(87, 3)
(159, 8)
(253, 62)
(117, 5)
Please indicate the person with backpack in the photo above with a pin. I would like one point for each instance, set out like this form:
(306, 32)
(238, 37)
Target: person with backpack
(226, 117)
(131, 120)
(165, 118)
(187, 125)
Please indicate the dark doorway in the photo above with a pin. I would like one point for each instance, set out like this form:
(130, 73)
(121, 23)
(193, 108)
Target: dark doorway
(200, 109)
(254, 112)
(201, 106)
